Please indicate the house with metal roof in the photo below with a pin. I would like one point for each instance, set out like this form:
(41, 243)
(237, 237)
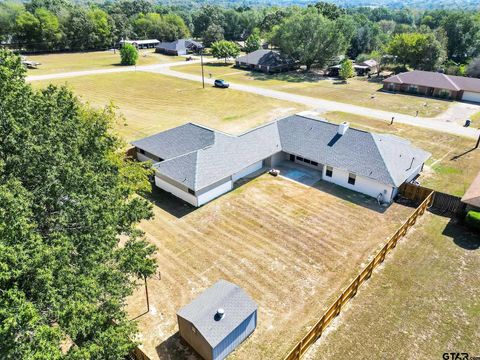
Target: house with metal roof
(218, 320)
(268, 61)
(178, 47)
(198, 164)
(435, 84)
(141, 44)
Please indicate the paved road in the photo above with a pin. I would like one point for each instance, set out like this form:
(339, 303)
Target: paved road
(448, 122)
(439, 123)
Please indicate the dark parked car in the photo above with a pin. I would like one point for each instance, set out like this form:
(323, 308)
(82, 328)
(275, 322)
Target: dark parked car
(221, 84)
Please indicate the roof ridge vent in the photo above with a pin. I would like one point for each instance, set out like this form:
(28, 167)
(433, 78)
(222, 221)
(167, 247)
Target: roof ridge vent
(343, 127)
(220, 314)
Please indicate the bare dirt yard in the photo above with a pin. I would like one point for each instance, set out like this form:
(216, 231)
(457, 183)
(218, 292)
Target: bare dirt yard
(291, 247)
(422, 302)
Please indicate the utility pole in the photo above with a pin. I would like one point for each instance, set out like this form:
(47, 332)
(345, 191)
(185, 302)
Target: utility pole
(146, 293)
(201, 62)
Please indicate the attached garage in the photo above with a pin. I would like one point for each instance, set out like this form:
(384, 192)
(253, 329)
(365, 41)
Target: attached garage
(471, 96)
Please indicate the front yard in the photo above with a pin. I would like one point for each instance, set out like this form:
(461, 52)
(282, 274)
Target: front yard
(454, 163)
(79, 61)
(290, 246)
(151, 103)
(421, 303)
(358, 91)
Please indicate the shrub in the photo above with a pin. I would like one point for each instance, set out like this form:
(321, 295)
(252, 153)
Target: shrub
(129, 54)
(473, 220)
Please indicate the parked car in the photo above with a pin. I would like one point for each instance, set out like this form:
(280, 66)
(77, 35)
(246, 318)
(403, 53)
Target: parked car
(221, 84)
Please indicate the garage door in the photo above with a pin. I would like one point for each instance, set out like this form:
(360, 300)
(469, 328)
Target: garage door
(471, 96)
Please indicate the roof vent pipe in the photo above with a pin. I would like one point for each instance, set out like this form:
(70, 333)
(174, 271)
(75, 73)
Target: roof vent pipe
(220, 314)
(342, 128)
(411, 164)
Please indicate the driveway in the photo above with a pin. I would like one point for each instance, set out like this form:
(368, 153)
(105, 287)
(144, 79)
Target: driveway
(448, 122)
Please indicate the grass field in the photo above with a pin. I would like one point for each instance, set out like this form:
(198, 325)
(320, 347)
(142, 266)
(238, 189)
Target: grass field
(423, 302)
(454, 163)
(291, 247)
(151, 103)
(475, 119)
(358, 91)
(67, 62)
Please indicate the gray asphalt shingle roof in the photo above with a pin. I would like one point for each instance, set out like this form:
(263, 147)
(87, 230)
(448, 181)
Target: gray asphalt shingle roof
(202, 310)
(436, 80)
(385, 158)
(178, 45)
(265, 58)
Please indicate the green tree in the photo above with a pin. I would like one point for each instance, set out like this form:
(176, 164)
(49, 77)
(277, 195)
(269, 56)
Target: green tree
(253, 42)
(128, 54)
(27, 30)
(9, 11)
(213, 34)
(313, 39)
(346, 69)
(225, 49)
(463, 32)
(419, 51)
(67, 194)
(329, 10)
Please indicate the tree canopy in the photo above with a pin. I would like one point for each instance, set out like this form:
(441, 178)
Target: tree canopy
(67, 197)
(225, 49)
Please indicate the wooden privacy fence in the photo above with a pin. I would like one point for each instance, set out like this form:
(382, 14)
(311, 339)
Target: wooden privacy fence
(442, 202)
(316, 331)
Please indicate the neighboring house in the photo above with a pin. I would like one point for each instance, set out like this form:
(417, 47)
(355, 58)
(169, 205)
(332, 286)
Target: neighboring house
(218, 320)
(268, 61)
(198, 164)
(362, 69)
(435, 84)
(141, 44)
(178, 47)
(472, 195)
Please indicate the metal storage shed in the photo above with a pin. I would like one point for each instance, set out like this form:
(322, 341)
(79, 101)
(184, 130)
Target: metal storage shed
(218, 320)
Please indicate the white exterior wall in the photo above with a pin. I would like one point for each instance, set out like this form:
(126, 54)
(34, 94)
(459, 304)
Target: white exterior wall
(415, 173)
(214, 193)
(363, 185)
(248, 170)
(162, 184)
(471, 96)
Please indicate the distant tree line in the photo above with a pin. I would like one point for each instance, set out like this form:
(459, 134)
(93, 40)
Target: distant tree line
(316, 35)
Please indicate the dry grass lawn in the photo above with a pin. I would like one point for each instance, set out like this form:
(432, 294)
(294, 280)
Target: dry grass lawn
(454, 163)
(422, 302)
(291, 247)
(67, 62)
(151, 103)
(358, 91)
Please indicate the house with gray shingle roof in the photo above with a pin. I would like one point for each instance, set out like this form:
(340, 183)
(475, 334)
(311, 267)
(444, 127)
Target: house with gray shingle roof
(218, 320)
(268, 61)
(435, 84)
(178, 47)
(198, 164)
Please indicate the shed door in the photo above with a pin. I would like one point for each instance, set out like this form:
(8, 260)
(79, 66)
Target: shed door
(471, 96)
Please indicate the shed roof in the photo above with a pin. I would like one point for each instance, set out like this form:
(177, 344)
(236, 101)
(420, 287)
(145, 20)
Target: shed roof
(216, 156)
(202, 310)
(472, 195)
(436, 80)
(265, 58)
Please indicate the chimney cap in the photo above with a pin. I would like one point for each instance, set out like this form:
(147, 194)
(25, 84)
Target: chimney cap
(220, 314)
(342, 128)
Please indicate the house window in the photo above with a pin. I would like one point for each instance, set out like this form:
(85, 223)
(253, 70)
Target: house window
(292, 157)
(329, 171)
(351, 178)
(141, 151)
(190, 191)
(307, 161)
(391, 87)
(413, 89)
(314, 163)
(299, 158)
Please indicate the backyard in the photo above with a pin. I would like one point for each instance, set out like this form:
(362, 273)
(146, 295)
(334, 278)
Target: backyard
(429, 305)
(67, 62)
(291, 247)
(151, 103)
(454, 162)
(358, 91)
